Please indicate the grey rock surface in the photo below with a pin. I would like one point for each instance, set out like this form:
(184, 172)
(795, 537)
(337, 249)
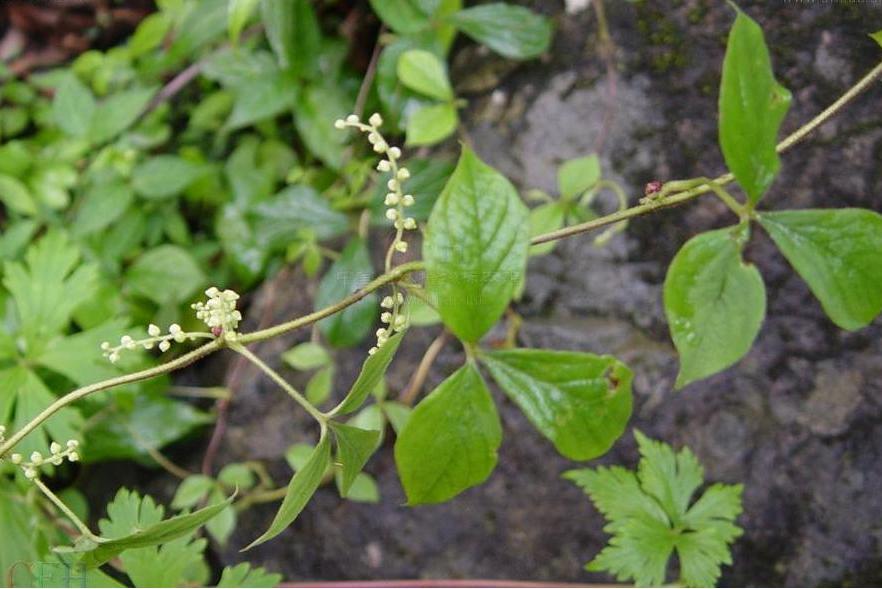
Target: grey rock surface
(797, 421)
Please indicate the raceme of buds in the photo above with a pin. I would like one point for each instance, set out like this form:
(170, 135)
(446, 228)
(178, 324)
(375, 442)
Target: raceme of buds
(57, 454)
(219, 312)
(155, 339)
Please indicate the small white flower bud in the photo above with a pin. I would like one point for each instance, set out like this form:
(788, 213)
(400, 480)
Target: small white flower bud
(384, 166)
(401, 246)
(164, 345)
(391, 199)
(56, 460)
(340, 124)
(410, 223)
(55, 447)
(392, 184)
(36, 458)
(373, 138)
(407, 200)
(212, 292)
(380, 146)
(394, 153)
(376, 120)
(403, 174)
(381, 332)
(73, 456)
(105, 346)
(72, 444)
(30, 473)
(387, 303)
(147, 345)
(113, 357)
(127, 342)
(352, 119)
(153, 330)
(372, 351)
(386, 317)
(16, 458)
(391, 214)
(174, 329)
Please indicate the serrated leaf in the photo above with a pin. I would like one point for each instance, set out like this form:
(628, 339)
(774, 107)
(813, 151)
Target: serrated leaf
(449, 443)
(354, 448)
(752, 106)
(649, 517)
(372, 372)
(431, 124)
(512, 31)
(301, 488)
(127, 531)
(581, 402)
(715, 304)
(423, 72)
(475, 248)
(243, 575)
(837, 252)
(578, 175)
(346, 275)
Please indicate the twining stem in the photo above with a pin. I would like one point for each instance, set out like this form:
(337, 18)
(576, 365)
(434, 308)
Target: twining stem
(686, 196)
(85, 391)
(301, 400)
(400, 271)
(391, 276)
(82, 527)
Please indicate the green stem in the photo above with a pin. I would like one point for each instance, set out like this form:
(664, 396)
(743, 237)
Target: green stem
(301, 400)
(686, 196)
(85, 391)
(391, 276)
(82, 527)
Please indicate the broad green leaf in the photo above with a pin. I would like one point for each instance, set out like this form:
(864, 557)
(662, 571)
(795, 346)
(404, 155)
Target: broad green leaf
(238, 14)
(578, 175)
(301, 488)
(427, 180)
(16, 196)
(431, 124)
(449, 443)
(118, 112)
(264, 97)
(78, 356)
(164, 176)
(294, 34)
(192, 490)
(73, 106)
(307, 356)
(837, 252)
(475, 247)
(581, 402)
(354, 448)
(397, 414)
(222, 525)
(236, 475)
(137, 535)
(243, 575)
(544, 219)
(149, 34)
(318, 389)
(402, 16)
(294, 209)
(372, 372)
(20, 543)
(715, 304)
(752, 106)
(167, 274)
(363, 490)
(104, 203)
(346, 275)
(423, 72)
(316, 107)
(512, 31)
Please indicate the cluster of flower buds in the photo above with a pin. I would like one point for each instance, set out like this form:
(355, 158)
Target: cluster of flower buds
(396, 199)
(219, 312)
(392, 317)
(155, 339)
(57, 454)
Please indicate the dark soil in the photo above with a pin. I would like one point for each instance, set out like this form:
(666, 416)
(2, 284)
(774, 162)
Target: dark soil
(797, 421)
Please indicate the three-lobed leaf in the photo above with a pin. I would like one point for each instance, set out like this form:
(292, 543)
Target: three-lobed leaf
(752, 106)
(579, 401)
(715, 303)
(475, 247)
(449, 443)
(838, 252)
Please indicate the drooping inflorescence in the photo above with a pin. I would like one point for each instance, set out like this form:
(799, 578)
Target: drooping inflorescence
(57, 454)
(397, 202)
